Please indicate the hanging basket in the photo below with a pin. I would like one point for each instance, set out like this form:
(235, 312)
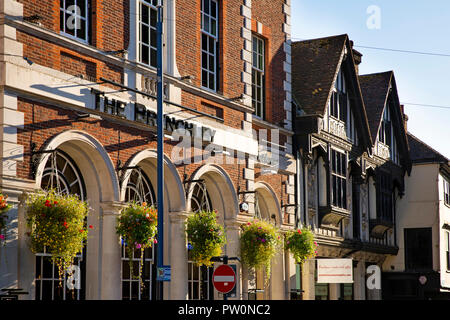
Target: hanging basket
(137, 227)
(260, 241)
(4, 208)
(57, 223)
(301, 244)
(206, 237)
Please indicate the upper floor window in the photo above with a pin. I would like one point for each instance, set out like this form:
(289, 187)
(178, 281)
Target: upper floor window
(210, 40)
(339, 179)
(339, 98)
(447, 247)
(418, 249)
(385, 191)
(147, 32)
(74, 19)
(384, 135)
(446, 192)
(258, 77)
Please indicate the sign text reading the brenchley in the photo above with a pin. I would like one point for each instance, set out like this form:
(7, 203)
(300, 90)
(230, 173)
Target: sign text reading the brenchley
(149, 117)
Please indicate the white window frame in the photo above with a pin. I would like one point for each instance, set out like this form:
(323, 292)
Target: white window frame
(212, 35)
(340, 86)
(447, 251)
(152, 5)
(446, 192)
(77, 19)
(258, 75)
(341, 177)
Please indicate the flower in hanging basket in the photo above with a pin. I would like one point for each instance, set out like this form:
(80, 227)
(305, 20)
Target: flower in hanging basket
(260, 241)
(57, 222)
(301, 244)
(4, 208)
(206, 237)
(137, 227)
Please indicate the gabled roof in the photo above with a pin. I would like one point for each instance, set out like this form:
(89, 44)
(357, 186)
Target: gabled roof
(313, 71)
(423, 153)
(315, 65)
(375, 90)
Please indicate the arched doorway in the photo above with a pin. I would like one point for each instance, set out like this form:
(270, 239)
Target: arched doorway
(211, 189)
(200, 277)
(139, 189)
(77, 163)
(139, 178)
(62, 175)
(266, 208)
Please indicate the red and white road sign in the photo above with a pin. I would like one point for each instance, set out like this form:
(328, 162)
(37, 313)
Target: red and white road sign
(224, 278)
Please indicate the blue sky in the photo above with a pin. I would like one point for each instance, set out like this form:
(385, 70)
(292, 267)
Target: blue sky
(405, 25)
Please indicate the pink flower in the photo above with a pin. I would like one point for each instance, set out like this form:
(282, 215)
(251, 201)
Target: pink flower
(155, 241)
(138, 246)
(2, 237)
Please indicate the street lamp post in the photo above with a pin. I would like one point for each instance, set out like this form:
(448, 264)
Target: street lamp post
(160, 142)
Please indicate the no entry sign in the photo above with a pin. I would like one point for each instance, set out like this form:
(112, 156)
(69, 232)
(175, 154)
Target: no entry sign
(224, 278)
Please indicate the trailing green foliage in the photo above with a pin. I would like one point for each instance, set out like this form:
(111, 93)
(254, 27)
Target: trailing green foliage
(137, 226)
(206, 237)
(58, 223)
(4, 208)
(301, 244)
(260, 241)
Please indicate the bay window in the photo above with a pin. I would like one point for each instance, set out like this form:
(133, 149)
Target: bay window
(339, 179)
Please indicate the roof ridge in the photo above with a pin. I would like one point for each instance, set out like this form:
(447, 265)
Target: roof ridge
(318, 39)
(376, 73)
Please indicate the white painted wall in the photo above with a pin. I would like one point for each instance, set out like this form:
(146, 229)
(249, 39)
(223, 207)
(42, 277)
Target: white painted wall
(418, 209)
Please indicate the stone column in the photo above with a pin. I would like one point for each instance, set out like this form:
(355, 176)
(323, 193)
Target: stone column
(178, 256)
(111, 285)
(360, 284)
(232, 249)
(308, 281)
(334, 291)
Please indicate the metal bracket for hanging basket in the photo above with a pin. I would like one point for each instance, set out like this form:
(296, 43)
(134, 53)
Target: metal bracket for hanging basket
(35, 159)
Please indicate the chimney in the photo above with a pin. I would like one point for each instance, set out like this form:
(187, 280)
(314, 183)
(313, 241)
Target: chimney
(357, 56)
(405, 117)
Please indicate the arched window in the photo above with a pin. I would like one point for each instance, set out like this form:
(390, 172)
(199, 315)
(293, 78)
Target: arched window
(139, 189)
(199, 278)
(61, 174)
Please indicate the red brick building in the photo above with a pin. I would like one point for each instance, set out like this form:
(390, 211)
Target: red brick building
(228, 124)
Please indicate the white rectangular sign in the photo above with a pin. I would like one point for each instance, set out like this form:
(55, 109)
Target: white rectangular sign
(334, 271)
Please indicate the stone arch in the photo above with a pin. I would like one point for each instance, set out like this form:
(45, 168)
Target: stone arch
(173, 186)
(220, 188)
(268, 202)
(92, 159)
